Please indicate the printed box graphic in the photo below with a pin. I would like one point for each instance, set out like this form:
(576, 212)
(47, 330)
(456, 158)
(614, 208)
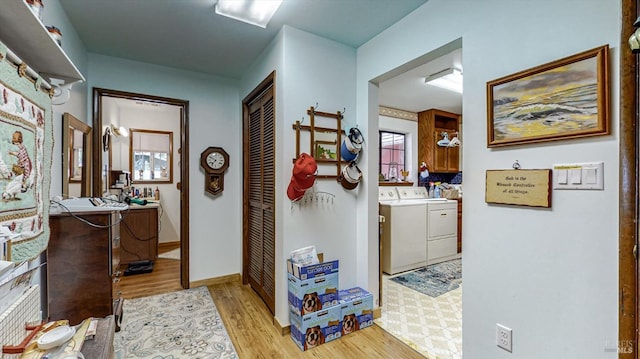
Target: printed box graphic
(356, 310)
(312, 330)
(314, 294)
(313, 270)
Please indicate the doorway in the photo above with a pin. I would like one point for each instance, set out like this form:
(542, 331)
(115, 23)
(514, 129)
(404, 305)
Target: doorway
(629, 271)
(401, 96)
(107, 123)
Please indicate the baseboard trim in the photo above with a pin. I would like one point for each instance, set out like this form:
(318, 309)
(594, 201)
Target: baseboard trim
(282, 329)
(377, 313)
(236, 277)
(169, 245)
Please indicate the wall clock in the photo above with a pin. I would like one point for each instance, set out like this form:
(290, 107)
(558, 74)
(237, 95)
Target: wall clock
(214, 161)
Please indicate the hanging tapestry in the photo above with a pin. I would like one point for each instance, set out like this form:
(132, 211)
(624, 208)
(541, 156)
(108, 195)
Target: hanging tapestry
(26, 143)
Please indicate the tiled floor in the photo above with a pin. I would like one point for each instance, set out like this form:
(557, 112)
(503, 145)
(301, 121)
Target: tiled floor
(432, 326)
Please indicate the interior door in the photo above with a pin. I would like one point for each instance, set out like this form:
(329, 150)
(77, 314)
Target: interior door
(259, 194)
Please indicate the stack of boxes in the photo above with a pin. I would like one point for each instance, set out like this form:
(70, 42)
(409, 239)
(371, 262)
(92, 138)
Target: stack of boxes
(356, 310)
(318, 311)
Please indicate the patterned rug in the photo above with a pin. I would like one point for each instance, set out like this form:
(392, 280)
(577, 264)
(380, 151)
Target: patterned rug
(433, 280)
(183, 324)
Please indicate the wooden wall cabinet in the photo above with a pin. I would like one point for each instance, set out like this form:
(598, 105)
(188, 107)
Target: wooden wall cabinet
(139, 234)
(82, 266)
(431, 124)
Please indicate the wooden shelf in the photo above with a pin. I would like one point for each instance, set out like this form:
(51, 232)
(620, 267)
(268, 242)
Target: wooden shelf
(431, 124)
(27, 37)
(395, 184)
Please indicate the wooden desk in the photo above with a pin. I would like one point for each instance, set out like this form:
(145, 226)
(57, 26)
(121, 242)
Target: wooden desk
(139, 233)
(82, 262)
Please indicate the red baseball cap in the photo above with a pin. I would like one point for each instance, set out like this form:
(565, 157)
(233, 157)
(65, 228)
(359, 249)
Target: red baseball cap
(294, 192)
(304, 169)
(304, 175)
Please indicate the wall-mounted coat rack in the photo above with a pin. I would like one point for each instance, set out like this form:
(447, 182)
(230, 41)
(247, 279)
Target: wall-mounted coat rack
(326, 149)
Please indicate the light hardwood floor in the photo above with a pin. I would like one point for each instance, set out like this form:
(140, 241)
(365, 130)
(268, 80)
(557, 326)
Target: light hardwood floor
(250, 324)
(164, 278)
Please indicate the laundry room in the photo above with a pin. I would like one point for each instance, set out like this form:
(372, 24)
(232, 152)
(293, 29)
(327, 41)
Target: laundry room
(420, 202)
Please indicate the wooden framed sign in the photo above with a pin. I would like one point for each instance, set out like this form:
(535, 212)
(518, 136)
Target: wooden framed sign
(519, 187)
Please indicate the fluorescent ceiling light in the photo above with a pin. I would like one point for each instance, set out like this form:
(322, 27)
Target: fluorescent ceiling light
(254, 12)
(449, 79)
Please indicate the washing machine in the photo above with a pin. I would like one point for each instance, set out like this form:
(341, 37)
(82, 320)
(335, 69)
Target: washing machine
(404, 231)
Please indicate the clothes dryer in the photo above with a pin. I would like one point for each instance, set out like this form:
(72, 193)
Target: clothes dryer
(441, 221)
(404, 231)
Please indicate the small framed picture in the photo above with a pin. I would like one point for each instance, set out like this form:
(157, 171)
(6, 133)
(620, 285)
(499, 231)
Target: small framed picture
(326, 151)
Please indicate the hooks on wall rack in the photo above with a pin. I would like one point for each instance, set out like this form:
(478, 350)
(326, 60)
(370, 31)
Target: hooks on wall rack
(315, 198)
(516, 165)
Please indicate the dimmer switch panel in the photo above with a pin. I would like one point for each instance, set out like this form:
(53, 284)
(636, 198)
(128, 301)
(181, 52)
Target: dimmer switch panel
(579, 176)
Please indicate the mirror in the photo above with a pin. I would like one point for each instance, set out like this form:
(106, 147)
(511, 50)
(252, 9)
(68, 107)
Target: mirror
(76, 158)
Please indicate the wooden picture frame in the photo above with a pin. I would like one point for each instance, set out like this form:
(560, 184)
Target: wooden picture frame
(566, 98)
(326, 151)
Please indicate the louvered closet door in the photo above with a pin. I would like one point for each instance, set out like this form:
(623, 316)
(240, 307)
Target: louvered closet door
(261, 216)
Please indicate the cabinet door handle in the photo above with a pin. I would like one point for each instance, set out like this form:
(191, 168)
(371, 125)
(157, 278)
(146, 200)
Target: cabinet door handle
(443, 214)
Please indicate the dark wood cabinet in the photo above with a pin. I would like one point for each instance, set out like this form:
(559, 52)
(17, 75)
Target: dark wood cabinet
(82, 266)
(432, 124)
(139, 234)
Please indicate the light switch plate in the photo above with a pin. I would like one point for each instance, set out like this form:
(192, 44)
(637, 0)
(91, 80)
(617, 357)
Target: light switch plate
(584, 176)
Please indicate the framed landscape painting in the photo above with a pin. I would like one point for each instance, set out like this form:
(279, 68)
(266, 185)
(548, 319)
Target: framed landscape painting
(566, 98)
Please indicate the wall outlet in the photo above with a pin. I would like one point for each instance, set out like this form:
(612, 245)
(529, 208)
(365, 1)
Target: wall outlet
(504, 337)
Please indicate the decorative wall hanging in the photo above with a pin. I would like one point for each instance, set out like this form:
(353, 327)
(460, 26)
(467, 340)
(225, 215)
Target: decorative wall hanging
(566, 98)
(323, 142)
(26, 144)
(519, 187)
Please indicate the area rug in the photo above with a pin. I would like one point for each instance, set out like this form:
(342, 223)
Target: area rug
(433, 280)
(172, 254)
(183, 324)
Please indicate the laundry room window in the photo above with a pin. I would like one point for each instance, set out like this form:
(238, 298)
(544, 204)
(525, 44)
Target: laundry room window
(392, 154)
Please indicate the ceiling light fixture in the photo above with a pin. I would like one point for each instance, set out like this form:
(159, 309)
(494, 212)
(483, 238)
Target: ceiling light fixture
(254, 12)
(449, 79)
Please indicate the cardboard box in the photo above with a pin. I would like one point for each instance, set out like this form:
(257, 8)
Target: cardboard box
(356, 310)
(313, 270)
(312, 330)
(310, 295)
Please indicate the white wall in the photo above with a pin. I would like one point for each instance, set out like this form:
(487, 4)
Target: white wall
(75, 50)
(410, 130)
(310, 70)
(549, 274)
(215, 226)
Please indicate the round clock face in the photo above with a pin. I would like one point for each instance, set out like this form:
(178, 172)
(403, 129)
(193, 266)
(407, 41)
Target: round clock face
(215, 160)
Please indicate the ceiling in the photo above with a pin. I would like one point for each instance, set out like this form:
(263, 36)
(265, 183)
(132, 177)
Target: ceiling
(187, 34)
